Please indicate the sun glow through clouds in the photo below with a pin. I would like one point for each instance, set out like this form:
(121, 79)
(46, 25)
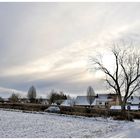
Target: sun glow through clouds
(48, 44)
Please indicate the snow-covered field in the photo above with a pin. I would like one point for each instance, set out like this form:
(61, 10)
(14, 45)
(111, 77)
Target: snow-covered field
(29, 125)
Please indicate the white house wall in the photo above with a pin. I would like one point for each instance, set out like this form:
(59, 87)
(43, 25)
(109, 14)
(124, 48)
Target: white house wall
(82, 100)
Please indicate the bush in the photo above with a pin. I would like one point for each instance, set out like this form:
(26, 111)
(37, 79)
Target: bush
(88, 110)
(56, 97)
(1, 100)
(124, 117)
(14, 98)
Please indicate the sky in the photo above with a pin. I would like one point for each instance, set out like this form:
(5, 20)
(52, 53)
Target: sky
(48, 45)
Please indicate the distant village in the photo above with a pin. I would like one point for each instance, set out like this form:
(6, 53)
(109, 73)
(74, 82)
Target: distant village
(100, 100)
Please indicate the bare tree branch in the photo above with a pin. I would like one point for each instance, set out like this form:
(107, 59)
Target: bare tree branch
(126, 76)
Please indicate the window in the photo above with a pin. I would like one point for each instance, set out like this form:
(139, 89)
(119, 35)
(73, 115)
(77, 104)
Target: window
(131, 97)
(109, 97)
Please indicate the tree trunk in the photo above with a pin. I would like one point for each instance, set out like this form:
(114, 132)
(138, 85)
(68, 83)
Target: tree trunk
(123, 110)
(122, 104)
(90, 106)
(123, 107)
(120, 99)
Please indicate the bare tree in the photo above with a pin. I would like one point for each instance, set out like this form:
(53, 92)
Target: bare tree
(32, 94)
(90, 95)
(125, 80)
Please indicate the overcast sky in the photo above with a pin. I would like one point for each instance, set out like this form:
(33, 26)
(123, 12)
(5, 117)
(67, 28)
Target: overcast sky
(48, 44)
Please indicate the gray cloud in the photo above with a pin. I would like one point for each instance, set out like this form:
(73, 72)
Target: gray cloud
(48, 44)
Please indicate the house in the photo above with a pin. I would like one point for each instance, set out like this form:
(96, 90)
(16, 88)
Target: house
(134, 100)
(133, 103)
(44, 101)
(5, 100)
(114, 99)
(68, 102)
(101, 100)
(82, 101)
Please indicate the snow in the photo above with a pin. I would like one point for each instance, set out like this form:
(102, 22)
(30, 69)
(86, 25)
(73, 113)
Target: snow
(134, 107)
(116, 107)
(126, 107)
(129, 130)
(16, 124)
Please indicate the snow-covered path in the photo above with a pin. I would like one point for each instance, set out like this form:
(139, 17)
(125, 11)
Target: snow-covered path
(129, 130)
(28, 125)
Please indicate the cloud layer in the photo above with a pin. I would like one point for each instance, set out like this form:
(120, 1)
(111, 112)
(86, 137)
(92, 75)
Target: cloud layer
(48, 44)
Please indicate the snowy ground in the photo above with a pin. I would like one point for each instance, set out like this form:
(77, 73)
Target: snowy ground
(29, 125)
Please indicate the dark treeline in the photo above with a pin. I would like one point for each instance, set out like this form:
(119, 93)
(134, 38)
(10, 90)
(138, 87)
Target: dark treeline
(57, 97)
(53, 97)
